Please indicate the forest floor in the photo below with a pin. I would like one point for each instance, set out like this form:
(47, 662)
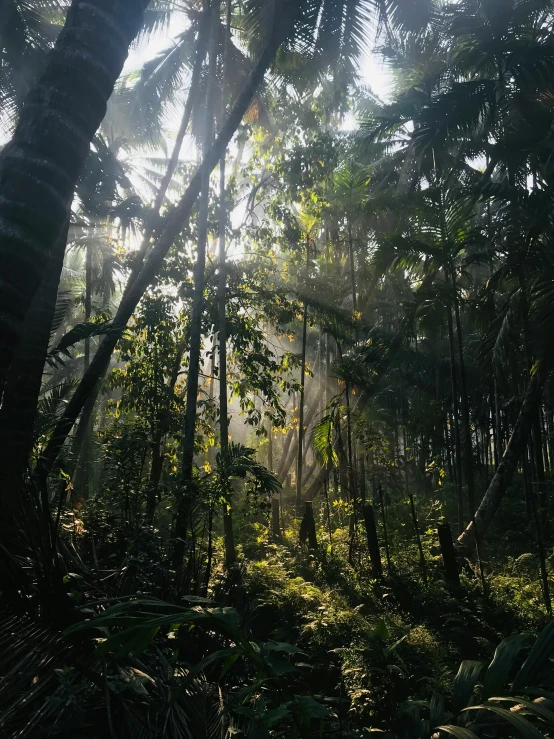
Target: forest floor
(372, 649)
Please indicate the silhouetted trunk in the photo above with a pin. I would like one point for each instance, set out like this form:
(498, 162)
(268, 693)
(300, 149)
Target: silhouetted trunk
(299, 456)
(385, 528)
(456, 416)
(230, 551)
(372, 540)
(466, 426)
(189, 429)
(82, 472)
(301, 411)
(307, 527)
(173, 227)
(503, 475)
(448, 554)
(275, 518)
(22, 391)
(40, 166)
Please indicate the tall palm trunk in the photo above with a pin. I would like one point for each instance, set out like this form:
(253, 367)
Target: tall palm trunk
(456, 418)
(299, 459)
(173, 227)
(466, 426)
(82, 473)
(229, 539)
(19, 405)
(189, 430)
(40, 166)
(510, 459)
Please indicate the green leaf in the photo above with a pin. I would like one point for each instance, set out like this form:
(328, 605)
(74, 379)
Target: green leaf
(436, 708)
(498, 672)
(536, 708)
(457, 731)
(540, 653)
(464, 683)
(520, 724)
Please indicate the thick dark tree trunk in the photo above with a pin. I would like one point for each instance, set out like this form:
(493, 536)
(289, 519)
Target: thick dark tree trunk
(40, 166)
(154, 260)
(22, 390)
(502, 478)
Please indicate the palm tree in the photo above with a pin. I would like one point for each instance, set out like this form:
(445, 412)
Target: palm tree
(39, 153)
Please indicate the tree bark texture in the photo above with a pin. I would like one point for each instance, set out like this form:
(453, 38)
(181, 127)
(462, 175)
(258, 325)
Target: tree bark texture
(40, 166)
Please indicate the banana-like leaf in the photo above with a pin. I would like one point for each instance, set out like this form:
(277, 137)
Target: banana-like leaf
(457, 731)
(520, 724)
(532, 706)
(540, 653)
(506, 653)
(464, 684)
(436, 708)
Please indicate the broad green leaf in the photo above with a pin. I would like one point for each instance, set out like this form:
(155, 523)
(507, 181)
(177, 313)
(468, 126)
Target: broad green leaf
(540, 653)
(457, 731)
(498, 672)
(468, 676)
(520, 724)
(536, 708)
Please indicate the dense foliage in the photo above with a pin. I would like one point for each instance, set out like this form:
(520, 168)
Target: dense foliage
(276, 369)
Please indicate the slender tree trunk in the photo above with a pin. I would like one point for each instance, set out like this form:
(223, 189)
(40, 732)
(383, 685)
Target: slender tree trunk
(189, 430)
(173, 227)
(456, 416)
(82, 472)
(230, 552)
(40, 166)
(466, 425)
(302, 393)
(502, 478)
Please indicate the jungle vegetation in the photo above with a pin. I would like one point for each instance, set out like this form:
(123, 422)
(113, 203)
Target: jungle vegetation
(276, 369)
